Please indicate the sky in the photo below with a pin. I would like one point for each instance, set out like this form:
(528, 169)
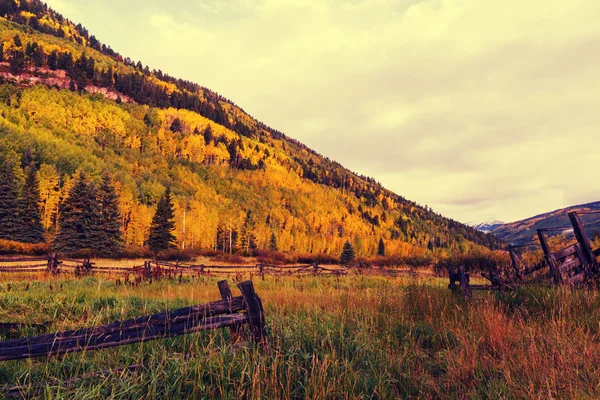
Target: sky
(477, 108)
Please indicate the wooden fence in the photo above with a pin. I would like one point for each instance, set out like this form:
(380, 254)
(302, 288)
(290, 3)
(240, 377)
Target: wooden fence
(571, 265)
(233, 312)
(153, 268)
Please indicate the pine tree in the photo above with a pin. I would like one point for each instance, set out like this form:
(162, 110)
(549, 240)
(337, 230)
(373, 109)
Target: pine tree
(111, 217)
(161, 231)
(273, 242)
(347, 255)
(381, 248)
(80, 219)
(30, 219)
(17, 62)
(8, 202)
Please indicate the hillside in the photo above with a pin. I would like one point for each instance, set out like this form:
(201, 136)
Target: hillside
(524, 232)
(71, 103)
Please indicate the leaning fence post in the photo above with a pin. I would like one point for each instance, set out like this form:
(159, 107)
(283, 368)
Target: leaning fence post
(549, 257)
(256, 315)
(235, 331)
(515, 262)
(582, 238)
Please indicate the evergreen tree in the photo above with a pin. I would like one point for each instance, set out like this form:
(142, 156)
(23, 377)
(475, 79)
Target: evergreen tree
(111, 217)
(80, 219)
(8, 202)
(381, 248)
(347, 255)
(17, 62)
(161, 231)
(273, 242)
(30, 219)
(176, 126)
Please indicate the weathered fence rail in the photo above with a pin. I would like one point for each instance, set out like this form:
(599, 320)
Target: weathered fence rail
(55, 265)
(233, 312)
(570, 265)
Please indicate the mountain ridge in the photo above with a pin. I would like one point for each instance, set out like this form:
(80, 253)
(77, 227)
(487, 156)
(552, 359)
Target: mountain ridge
(523, 232)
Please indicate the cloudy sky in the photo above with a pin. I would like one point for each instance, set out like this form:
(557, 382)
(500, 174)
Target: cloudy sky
(477, 108)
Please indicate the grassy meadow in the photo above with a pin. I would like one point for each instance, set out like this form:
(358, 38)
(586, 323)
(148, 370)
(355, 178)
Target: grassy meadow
(352, 337)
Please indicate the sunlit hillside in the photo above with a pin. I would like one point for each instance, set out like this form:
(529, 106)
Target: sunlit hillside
(72, 104)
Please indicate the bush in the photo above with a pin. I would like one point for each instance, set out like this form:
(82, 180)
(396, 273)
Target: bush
(177, 255)
(275, 257)
(131, 252)
(9, 247)
(229, 258)
(317, 259)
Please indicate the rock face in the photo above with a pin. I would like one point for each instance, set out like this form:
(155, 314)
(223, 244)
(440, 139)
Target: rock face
(44, 76)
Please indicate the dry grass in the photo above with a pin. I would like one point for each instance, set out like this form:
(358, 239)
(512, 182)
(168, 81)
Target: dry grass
(356, 337)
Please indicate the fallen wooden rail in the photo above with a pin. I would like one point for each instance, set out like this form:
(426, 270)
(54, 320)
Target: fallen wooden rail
(229, 312)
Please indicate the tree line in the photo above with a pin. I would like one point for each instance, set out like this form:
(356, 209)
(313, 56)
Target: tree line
(89, 219)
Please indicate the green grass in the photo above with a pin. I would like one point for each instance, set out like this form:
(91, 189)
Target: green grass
(356, 337)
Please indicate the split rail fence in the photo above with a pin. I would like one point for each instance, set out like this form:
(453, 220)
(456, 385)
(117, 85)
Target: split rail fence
(571, 265)
(237, 313)
(53, 265)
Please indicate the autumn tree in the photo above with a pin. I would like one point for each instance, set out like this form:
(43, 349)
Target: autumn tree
(163, 224)
(347, 255)
(30, 219)
(248, 239)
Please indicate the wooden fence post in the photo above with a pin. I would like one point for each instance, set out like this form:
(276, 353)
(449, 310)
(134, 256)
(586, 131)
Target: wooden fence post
(549, 258)
(465, 290)
(235, 331)
(515, 262)
(256, 315)
(582, 238)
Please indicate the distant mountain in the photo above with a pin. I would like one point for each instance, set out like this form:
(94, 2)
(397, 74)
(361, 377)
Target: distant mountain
(525, 231)
(487, 226)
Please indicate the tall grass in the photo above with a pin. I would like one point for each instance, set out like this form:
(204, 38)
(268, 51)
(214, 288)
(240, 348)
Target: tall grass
(353, 337)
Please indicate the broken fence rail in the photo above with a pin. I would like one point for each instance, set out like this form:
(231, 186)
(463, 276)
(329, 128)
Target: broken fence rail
(233, 312)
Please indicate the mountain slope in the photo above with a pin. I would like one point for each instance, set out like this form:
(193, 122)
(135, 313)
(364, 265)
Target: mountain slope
(75, 104)
(524, 232)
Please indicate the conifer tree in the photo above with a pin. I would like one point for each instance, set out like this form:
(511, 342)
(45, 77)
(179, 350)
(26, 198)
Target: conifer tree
(111, 217)
(80, 219)
(161, 231)
(347, 255)
(273, 242)
(30, 219)
(381, 248)
(8, 201)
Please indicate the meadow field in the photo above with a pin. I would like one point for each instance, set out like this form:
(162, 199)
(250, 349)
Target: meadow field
(328, 338)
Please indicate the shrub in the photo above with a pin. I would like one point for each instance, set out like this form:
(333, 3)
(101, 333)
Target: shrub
(11, 247)
(275, 257)
(229, 258)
